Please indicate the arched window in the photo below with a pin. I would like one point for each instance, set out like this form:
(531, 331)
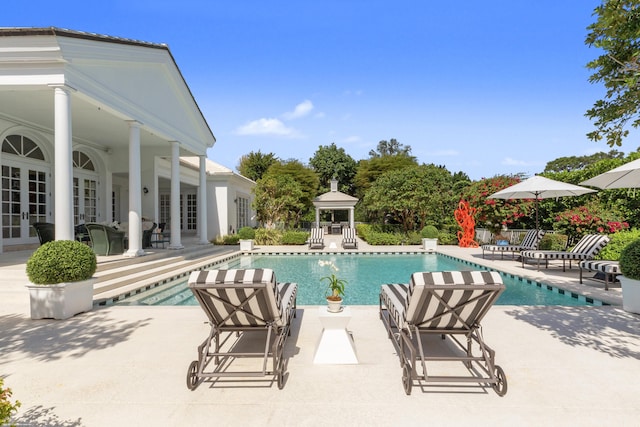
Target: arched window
(82, 161)
(22, 146)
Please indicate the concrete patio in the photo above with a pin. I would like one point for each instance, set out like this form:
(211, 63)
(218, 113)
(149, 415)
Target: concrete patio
(123, 365)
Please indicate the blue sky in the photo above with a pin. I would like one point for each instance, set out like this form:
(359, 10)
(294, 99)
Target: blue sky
(482, 87)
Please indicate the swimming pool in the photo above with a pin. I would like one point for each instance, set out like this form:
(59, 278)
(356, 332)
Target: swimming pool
(364, 274)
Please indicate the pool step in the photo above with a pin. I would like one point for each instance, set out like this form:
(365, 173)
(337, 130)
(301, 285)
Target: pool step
(115, 282)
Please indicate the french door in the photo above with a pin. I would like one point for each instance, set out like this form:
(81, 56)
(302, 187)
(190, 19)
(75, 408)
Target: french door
(85, 199)
(25, 201)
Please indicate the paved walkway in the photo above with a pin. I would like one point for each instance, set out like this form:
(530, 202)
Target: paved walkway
(124, 365)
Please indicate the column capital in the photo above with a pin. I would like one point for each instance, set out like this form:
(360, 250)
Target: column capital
(63, 86)
(134, 123)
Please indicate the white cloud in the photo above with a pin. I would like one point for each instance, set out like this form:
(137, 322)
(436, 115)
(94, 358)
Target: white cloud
(353, 138)
(301, 110)
(266, 127)
(513, 162)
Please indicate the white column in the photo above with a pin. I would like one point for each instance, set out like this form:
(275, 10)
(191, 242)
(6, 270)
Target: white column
(202, 202)
(352, 222)
(135, 192)
(176, 242)
(317, 217)
(63, 165)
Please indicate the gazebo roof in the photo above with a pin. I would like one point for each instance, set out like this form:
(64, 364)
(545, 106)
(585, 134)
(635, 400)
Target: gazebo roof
(334, 199)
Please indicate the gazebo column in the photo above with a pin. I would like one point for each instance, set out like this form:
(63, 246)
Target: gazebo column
(352, 222)
(135, 195)
(63, 165)
(176, 242)
(317, 217)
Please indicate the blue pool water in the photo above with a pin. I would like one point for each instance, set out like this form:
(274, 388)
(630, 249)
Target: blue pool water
(364, 274)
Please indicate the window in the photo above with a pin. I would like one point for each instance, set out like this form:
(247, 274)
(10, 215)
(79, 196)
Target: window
(242, 211)
(22, 146)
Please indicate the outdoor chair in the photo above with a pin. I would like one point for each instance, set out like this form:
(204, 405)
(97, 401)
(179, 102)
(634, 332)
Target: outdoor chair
(239, 303)
(106, 240)
(160, 236)
(529, 242)
(587, 248)
(446, 304)
(46, 231)
(316, 240)
(349, 239)
(146, 236)
(608, 269)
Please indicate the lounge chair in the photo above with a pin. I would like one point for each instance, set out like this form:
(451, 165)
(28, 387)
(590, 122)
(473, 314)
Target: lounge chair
(46, 231)
(106, 240)
(610, 269)
(160, 236)
(316, 240)
(448, 304)
(238, 302)
(146, 236)
(349, 239)
(587, 248)
(530, 242)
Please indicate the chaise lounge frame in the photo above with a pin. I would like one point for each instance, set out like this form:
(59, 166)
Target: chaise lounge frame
(238, 302)
(449, 304)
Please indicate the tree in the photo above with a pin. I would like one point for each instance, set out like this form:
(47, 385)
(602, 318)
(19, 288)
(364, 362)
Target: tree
(391, 148)
(616, 33)
(568, 164)
(304, 176)
(329, 162)
(412, 196)
(278, 199)
(369, 170)
(255, 164)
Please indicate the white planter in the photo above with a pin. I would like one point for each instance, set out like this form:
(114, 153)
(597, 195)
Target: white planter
(430, 245)
(334, 306)
(60, 301)
(630, 294)
(246, 245)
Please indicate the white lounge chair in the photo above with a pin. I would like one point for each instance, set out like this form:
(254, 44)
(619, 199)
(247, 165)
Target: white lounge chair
(446, 303)
(529, 242)
(316, 240)
(238, 302)
(587, 248)
(349, 239)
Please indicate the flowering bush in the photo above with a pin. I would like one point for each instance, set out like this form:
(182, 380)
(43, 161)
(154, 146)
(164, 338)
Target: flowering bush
(495, 213)
(590, 218)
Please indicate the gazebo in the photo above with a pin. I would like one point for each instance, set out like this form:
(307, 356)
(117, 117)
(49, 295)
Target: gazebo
(335, 200)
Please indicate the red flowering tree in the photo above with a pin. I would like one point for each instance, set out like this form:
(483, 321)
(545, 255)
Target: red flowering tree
(494, 213)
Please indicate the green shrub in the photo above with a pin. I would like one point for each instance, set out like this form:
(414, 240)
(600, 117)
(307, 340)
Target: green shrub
(269, 236)
(231, 239)
(247, 233)
(413, 238)
(630, 260)
(363, 231)
(447, 239)
(617, 243)
(553, 242)
(294, 237)
(429, 232)
(7, 409)
(61, 261)
(378, 238)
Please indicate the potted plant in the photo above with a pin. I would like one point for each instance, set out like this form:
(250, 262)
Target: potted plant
(61, 285)
(429, 238)
(335, 291)
(246, 235)
(630, 279)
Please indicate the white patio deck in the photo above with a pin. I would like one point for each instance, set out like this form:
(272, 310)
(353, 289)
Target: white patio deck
(123, 365)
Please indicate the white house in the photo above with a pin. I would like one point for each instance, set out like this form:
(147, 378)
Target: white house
(93, 129)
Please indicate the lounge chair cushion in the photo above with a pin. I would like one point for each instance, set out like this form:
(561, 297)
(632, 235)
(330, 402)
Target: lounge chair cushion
(588, 247)
(530, 241)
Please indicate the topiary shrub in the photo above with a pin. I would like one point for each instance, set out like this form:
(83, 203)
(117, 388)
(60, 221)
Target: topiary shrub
(630, 260)
(294, 237)
(429, 232)
(61, 261)
(553, 242)
(618, 242)
(247, 233)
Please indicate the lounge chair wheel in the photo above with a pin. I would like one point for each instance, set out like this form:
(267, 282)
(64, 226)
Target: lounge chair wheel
(192, 375)
(500, 386)
(407, 381)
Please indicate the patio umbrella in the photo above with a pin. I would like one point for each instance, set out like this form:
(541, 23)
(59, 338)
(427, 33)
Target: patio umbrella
(625, 176)
(539, 187)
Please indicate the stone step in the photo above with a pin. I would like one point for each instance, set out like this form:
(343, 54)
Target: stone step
(169, 269)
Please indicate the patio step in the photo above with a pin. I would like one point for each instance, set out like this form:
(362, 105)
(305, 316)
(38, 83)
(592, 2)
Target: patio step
(127, 278)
